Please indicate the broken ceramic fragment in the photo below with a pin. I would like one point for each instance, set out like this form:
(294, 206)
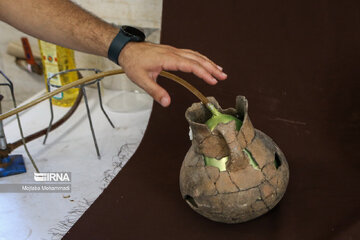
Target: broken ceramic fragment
(232, 173)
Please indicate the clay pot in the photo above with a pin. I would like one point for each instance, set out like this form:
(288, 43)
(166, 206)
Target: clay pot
(252, 181)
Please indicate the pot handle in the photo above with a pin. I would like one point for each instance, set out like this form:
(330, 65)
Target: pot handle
(237, 160)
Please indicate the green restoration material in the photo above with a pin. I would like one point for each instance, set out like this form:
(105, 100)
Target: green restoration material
(217, 118)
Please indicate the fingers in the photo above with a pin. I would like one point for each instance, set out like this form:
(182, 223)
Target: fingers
(206, 63)
(179, 63)
(143, 62)
(202, 56)
(153, 89)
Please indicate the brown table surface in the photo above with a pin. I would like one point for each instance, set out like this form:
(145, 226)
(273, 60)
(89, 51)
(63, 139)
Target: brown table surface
(298, 64)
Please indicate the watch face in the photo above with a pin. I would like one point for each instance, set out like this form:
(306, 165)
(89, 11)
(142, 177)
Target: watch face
(133, 32)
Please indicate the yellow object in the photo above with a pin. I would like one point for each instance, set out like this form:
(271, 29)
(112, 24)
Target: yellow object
(56, 59)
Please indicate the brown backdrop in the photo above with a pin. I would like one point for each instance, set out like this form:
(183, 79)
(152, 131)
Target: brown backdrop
(298, 64)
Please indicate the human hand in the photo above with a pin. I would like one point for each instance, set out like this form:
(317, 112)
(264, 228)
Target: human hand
(143, 62)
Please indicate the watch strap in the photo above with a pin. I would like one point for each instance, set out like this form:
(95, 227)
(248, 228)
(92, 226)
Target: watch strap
(119, 42)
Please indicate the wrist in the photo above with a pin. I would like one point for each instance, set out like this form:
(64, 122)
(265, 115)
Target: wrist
(125, 36)
(126, 53)
(112, 32)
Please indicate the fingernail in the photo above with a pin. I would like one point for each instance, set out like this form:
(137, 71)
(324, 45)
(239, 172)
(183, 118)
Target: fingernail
(214, 80)
(164, 101)
(224, 74)
(220, 68)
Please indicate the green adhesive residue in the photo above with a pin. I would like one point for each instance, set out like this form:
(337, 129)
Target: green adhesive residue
(220, 164)
(217, 118)
(252, 161)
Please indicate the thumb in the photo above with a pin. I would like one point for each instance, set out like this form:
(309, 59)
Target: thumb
(159, 94)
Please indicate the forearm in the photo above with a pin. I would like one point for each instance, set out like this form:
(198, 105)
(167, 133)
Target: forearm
(61, 22)
(64, 23)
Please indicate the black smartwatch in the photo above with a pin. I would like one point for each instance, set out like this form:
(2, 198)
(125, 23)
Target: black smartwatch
(125, 35)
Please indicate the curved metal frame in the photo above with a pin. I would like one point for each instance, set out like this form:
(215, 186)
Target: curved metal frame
(82, 88)
(11, 87)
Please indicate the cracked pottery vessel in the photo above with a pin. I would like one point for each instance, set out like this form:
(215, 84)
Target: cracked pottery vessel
(231, 175)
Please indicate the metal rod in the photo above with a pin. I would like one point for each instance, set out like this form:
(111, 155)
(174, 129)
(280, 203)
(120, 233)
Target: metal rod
(11, 86)
(3, 143)
(97, 81)
(101, 104)
(51, 120)
(90, 121)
